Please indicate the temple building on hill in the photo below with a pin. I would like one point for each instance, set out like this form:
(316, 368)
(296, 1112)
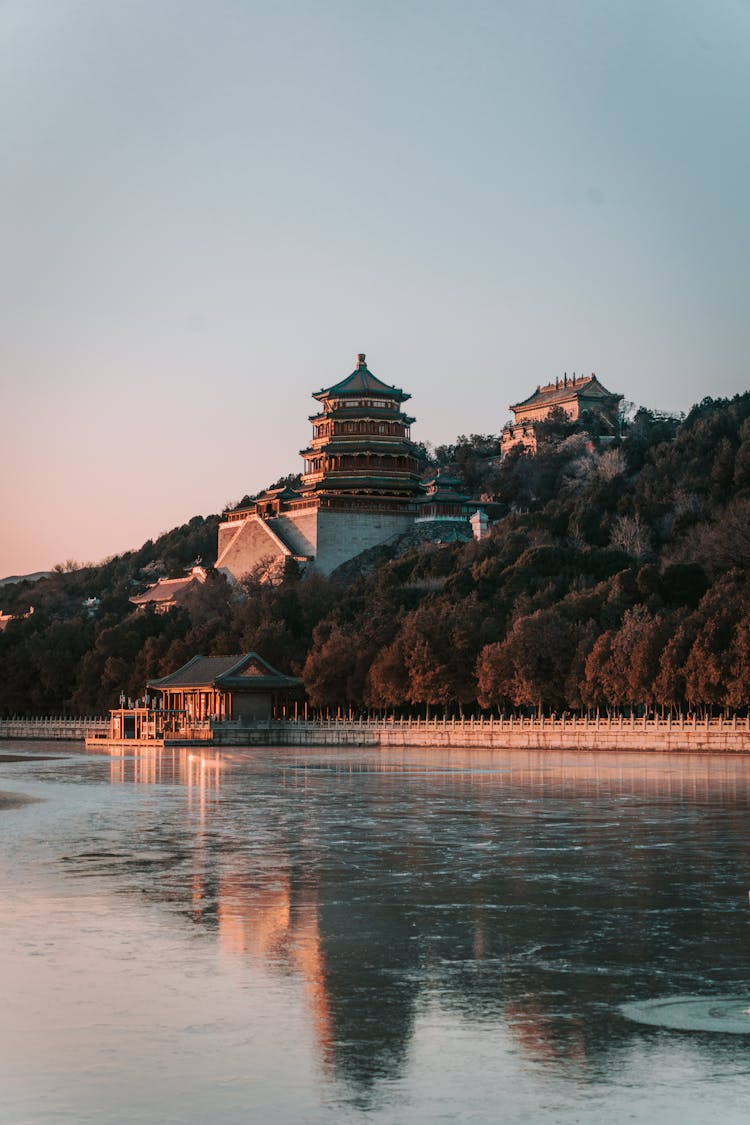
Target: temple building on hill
(358, 490)
(6, 618)
(576, 396)
(442, 500)
(167, 593)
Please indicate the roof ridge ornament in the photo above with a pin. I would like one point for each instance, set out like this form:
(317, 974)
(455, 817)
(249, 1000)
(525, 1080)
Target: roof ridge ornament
(361, 357)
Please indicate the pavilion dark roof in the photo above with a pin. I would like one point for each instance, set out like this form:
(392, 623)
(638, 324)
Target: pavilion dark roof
(283, 493)
(443, 488)
(226, 672)
(443, 480)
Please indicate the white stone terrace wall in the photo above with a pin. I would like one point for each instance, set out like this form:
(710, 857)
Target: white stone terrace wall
(344, 535)
(52, 729)
(713, 735)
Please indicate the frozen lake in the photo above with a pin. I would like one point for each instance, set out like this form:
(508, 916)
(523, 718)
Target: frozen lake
(380, 936)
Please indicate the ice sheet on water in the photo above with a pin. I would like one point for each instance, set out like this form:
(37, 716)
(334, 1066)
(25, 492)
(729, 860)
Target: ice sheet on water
(258, 942)
(726, 1014)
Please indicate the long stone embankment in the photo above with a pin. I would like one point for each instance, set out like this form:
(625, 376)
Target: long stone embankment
(701, 735)
(68, 730)
(712, 735)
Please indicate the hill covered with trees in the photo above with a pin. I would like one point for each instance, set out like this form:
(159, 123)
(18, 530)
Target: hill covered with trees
(618, 578)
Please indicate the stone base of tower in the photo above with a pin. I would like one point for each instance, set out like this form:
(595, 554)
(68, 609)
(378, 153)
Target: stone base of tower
(343, 535)
(320, 538)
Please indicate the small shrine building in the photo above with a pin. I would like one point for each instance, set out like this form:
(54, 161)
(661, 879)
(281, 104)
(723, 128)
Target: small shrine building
(444, 500)
(167, 593)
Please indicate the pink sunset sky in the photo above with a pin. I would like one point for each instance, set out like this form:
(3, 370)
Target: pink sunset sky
(209, 209)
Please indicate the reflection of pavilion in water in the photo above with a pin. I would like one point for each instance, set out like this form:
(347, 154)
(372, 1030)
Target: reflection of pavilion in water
(155, 765)
(349, 965)
(277, 923)
(589, 775)
(357, 958)
(368, 948)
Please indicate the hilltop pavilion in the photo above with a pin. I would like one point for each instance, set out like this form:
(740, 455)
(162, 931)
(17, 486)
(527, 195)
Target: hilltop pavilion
(578, 396)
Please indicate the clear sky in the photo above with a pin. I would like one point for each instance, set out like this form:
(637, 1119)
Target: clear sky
(208, 208)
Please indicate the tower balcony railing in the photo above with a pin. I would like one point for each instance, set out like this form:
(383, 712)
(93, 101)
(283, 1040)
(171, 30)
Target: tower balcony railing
(395, 475)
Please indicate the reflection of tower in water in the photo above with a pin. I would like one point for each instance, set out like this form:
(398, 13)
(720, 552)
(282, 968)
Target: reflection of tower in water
(372, 904)
(545, 1036)
(199, 773)
(279, 926)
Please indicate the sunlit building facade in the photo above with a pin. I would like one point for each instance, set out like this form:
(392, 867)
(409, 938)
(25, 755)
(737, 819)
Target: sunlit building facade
(579, 398)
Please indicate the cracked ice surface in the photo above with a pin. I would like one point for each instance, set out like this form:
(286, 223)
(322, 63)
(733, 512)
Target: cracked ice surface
(315, 936)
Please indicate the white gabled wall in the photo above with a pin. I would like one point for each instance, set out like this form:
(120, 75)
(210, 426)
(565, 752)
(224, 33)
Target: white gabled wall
(344, 535)
(254, 543)
(330, 538)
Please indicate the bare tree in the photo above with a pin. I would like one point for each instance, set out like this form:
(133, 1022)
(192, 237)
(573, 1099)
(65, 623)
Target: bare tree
(611, 464)
(631, 535)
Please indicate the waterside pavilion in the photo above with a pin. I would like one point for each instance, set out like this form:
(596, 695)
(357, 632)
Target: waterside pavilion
(207, 695)
(227, 688)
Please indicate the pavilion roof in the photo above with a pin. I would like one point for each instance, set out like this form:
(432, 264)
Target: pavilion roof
(443, 488)
(443, 480)
(282, 493)
(362, 381)
(165, 590)
(249, 671)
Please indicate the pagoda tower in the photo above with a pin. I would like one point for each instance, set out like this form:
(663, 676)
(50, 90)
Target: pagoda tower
(359, 488)
(361, 456)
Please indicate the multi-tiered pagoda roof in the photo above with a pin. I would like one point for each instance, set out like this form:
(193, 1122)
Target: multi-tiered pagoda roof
(361, 450)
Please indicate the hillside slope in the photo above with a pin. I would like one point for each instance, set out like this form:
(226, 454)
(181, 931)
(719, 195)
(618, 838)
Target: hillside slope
(617, 578)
